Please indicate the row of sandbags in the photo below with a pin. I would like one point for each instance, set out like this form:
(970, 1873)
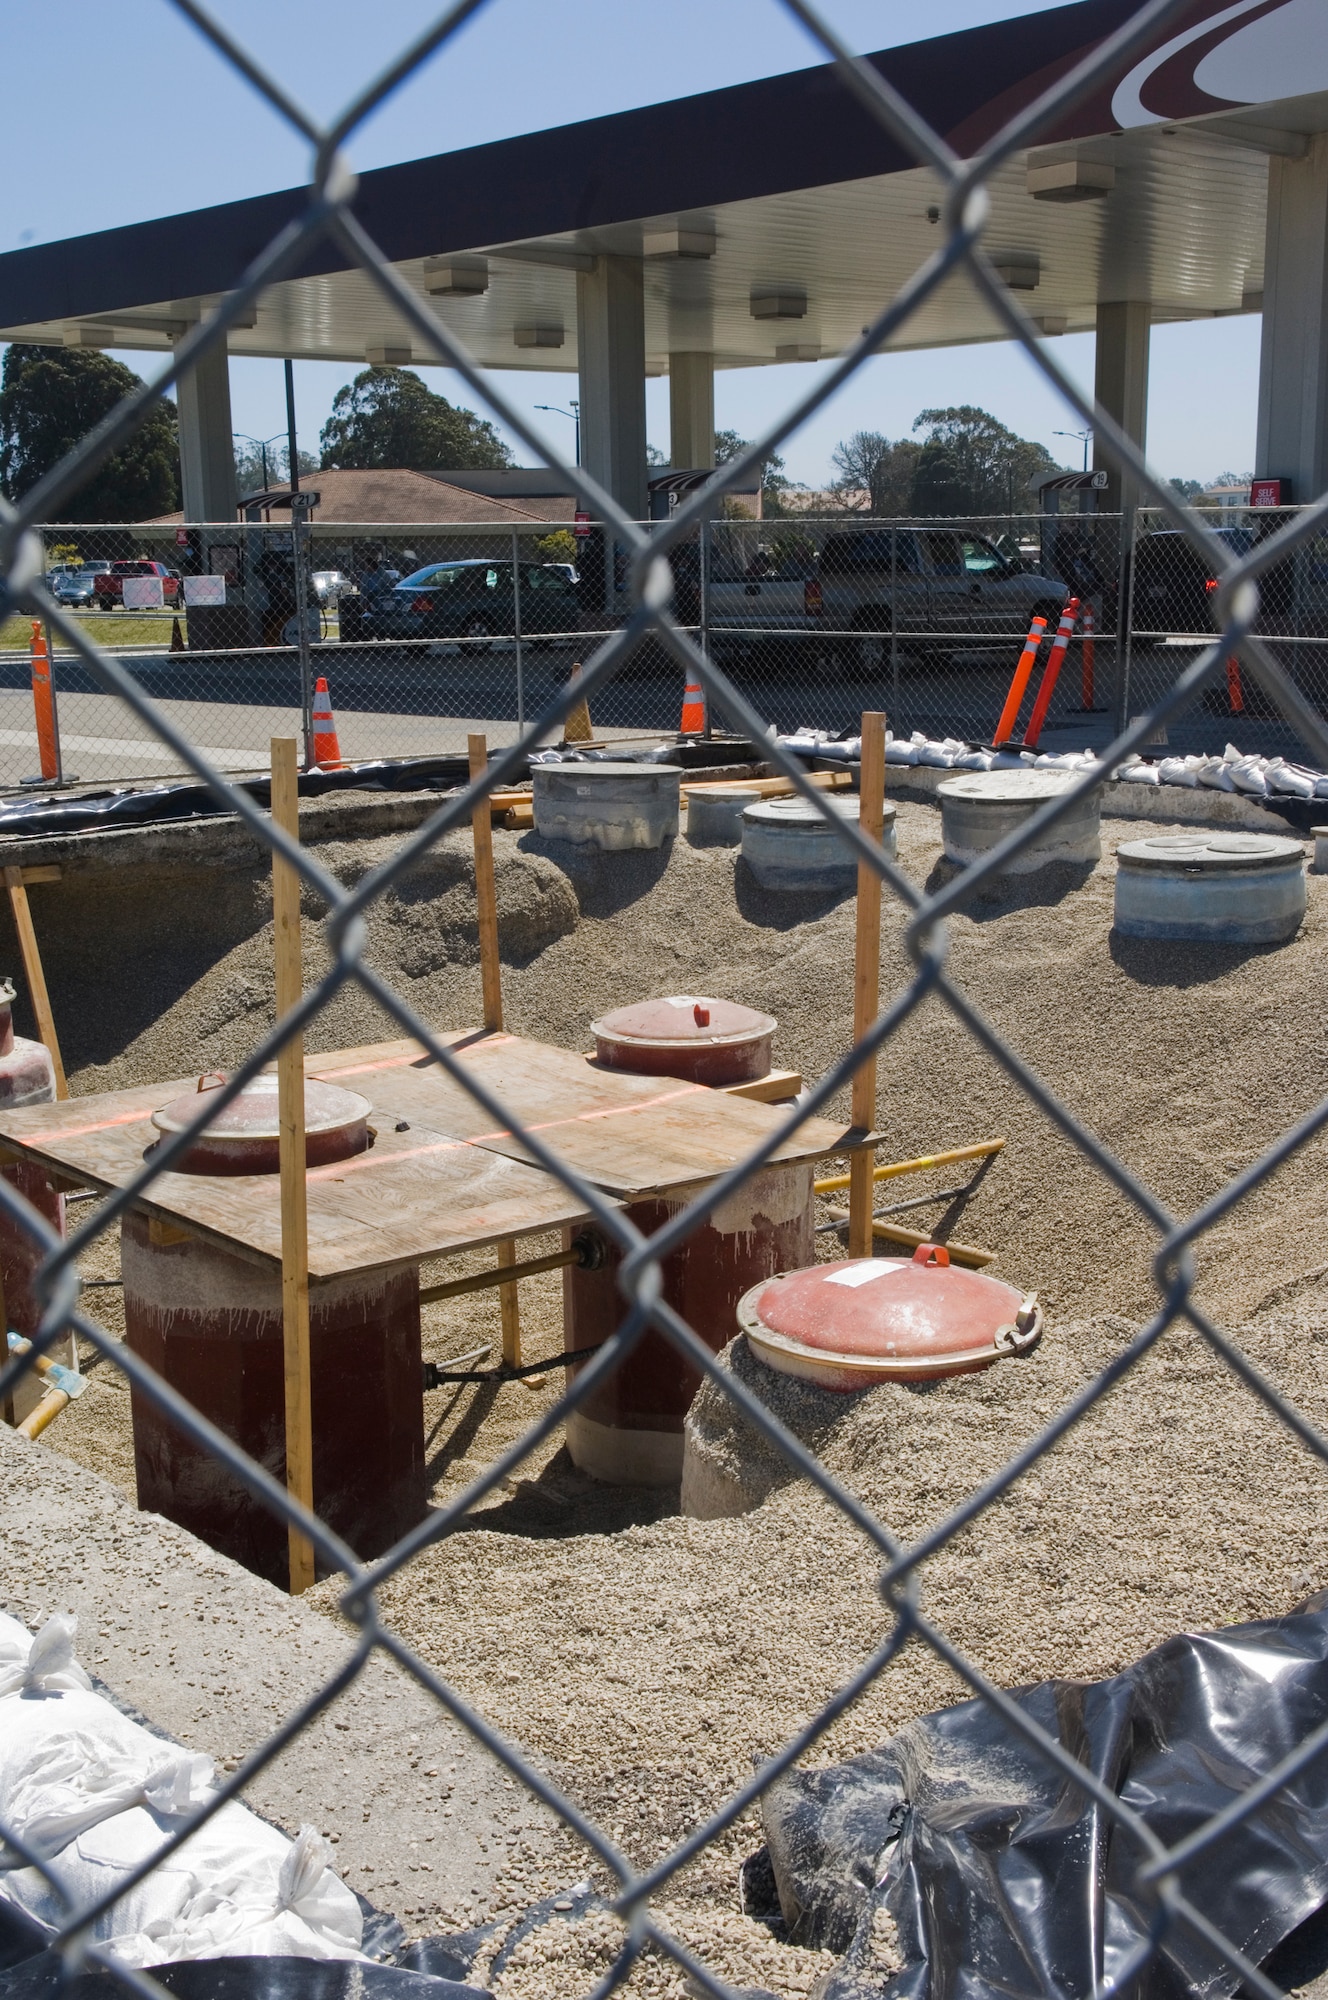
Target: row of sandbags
(1234, 771)
(94, 1795)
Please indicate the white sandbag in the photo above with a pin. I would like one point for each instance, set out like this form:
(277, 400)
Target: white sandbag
(1215, 773)
(1139, 774)
(899, 752)
(75, 1779)
(1293, 780)
(297, 1907)
(974, 760)
(1179, 771)
(41, 1661)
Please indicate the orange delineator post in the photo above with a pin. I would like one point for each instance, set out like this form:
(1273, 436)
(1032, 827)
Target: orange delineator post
(326, 749)
(1022, 675)
(1051, 673)
(1088, 699)
(44, 704)
(693, 711)
(1235, 692)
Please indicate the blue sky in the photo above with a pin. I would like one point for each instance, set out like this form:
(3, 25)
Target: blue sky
(167, 126)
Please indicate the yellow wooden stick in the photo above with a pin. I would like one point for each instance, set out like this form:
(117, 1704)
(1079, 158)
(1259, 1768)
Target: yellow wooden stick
(491, 977)
(866, 980)
(918, 1166)
(294, 1190)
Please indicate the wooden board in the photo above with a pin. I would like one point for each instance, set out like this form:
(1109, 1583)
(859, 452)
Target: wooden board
(415, 1194)
(627, 1134)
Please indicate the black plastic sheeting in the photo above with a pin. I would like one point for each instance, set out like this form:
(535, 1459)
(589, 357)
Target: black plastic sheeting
(1004, 1879)
(243, 1979)
(47, 813)
(146, 805)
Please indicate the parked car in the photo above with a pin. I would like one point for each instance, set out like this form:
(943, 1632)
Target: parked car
(78, 585)
(110, 578)
(475, 599)
(931, 583)
(1174, 584)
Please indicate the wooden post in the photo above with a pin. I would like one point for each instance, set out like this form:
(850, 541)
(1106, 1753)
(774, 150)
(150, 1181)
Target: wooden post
(32, 972)
(294, 1190)
(491, 977)
(866, 982)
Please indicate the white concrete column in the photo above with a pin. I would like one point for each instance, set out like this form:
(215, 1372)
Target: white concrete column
(691, 411)
(1293, 362)
(207, 455)
(1120, 385)
(611, 343)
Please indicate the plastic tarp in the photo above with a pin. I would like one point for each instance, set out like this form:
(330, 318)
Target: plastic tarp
(1002, 1878)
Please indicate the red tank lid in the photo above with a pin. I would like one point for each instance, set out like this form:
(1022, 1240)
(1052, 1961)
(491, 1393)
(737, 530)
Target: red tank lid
(243, 1137)
(864, 1319)
(687, 1035)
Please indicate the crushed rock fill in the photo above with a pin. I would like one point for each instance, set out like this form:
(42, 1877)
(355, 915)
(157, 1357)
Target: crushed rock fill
(644, 1659)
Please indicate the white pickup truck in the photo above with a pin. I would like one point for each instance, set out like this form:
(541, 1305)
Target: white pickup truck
(940, 588)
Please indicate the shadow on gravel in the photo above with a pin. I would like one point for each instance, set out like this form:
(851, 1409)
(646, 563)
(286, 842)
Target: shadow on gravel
(563, 1501)
(604, 883)
(1181, 963)
(777, 910)
(1000, 895)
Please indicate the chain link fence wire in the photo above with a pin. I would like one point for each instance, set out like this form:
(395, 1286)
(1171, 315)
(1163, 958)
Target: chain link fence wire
(1259, 593)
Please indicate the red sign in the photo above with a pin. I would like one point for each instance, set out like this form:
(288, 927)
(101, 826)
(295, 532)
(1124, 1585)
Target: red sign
(582, 520)
(1270, 493)
(182, 538)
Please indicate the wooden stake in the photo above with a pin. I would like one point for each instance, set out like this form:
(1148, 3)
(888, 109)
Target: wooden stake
(32, 972)
(294, 1190)
(866, 981)
(491, 976)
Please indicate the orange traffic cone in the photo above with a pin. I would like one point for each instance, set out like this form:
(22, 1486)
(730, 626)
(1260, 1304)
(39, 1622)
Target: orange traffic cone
(43, 704)
(693, 711)
(326, 749)
(577, 727)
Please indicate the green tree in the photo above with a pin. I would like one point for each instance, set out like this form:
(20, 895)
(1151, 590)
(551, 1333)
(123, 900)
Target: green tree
(774, 484)
(249, 466)
(1188, 489)
(389, 417)
(50, 398)
(869, 465)
(971, 464)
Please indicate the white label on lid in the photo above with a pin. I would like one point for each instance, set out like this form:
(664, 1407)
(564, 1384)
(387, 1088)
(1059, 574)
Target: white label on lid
(862, 1274)
(681, 1000)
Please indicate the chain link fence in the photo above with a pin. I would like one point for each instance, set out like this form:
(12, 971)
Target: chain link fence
(911, 660)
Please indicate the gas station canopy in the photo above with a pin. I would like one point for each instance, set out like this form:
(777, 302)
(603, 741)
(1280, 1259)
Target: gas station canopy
(773, 219)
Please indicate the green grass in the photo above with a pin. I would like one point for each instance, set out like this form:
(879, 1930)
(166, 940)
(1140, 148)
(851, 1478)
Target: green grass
(109, 628)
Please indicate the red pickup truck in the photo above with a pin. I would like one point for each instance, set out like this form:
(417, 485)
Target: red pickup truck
(108, 584)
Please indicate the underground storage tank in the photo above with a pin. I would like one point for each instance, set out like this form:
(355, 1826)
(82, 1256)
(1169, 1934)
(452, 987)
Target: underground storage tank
(981, 808)
(791, 845)
(208, 1319)
(613, 805)
(1211, 888)
(630, 1430)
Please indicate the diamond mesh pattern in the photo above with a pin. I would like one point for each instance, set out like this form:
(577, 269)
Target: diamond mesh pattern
(1238, 573)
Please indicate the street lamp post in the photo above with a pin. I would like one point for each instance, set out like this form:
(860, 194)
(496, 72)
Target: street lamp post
(574, 413)
(262, 444)
(1085, 437)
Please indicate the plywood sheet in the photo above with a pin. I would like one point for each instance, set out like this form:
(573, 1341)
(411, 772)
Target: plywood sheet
(626, 1134)
(415, 1194)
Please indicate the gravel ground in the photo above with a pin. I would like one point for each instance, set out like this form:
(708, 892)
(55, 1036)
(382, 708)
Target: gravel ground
(646, 1658)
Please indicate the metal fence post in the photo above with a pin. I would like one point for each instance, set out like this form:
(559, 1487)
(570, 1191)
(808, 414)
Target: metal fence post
(703, 636)
(299, 550)
(894, 627)
(516, 614)
(1124, 618)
